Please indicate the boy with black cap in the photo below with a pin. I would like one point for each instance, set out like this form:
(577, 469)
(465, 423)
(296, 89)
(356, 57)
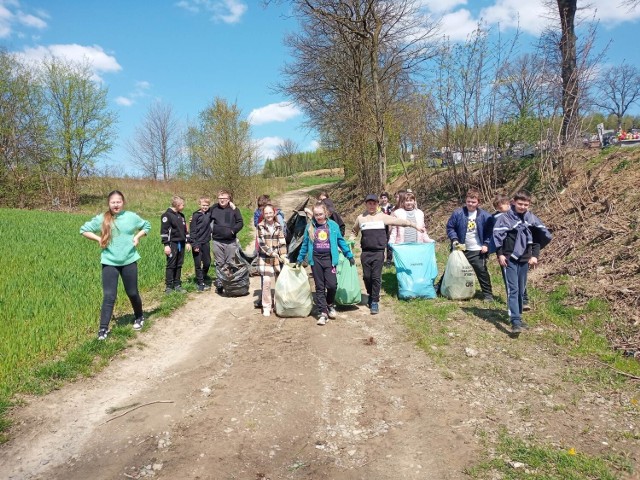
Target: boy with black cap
(373, 224)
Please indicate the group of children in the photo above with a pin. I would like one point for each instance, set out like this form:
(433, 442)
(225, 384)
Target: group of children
(218, 224)
(513, 233)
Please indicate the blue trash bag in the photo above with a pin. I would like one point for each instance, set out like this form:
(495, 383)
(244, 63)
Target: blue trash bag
(416, 269)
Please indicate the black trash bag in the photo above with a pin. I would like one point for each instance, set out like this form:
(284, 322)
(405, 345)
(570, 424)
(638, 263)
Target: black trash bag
(252, 260)
(296, 226)
(235, 276)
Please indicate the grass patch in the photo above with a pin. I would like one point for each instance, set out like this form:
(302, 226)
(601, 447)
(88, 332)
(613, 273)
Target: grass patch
(55, 298)
(293, 183)
(516, 459)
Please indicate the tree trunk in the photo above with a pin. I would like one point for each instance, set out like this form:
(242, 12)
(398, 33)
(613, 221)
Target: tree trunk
(567, 10)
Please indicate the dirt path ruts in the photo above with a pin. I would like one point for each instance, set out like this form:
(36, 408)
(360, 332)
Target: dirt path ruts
(251, 398)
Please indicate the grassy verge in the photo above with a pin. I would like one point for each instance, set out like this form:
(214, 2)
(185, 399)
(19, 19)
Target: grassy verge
(53, 291)
(515, 458)
(562, 328)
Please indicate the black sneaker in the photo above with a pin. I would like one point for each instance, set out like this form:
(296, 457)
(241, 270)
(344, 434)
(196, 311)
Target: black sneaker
(168, 290)
(488, 299)
(138, 323)
(200, 288)
(179, 289)
(219, 290)
(257, 304)
(524, 326)
(102, 334)
(516, 329)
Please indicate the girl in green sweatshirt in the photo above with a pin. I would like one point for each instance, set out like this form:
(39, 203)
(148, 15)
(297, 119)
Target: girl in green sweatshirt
(117, 232)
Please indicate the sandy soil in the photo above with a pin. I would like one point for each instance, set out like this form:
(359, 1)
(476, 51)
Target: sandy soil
(224, 393)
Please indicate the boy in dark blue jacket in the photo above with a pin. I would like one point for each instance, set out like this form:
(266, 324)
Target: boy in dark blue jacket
(200, 234)
(519, 236)
(472, 227)
(175, 238)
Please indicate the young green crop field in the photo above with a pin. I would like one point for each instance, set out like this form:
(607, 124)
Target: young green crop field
(52, 290)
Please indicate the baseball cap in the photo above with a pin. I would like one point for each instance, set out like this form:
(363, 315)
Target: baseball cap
(371, 196)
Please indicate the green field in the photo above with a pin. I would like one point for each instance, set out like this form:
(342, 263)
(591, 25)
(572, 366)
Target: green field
(52, 289)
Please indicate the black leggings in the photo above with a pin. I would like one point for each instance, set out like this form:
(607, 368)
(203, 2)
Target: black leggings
(129, 274)
(324, 276)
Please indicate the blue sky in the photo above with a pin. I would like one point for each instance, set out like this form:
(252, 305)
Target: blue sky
(187, 52)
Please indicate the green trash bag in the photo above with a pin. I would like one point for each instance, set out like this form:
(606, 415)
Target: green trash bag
(348, 292)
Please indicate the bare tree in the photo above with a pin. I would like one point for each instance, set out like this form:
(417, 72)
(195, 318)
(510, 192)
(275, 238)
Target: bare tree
(617, 89)
(570, 91)
(351, 56)
(156, 144)
(287, 152)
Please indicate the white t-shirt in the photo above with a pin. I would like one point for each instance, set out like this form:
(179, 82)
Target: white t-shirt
(472, 240)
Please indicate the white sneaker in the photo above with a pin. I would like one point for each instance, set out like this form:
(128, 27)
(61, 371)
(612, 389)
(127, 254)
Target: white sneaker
(266, 312)
(332, 312)
(322, 320)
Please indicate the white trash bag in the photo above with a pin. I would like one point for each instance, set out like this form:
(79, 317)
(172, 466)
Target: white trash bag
(293, 292)
(458, 282)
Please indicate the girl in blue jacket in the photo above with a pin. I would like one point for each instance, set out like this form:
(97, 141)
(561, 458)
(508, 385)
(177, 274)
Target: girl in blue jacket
(320, 249)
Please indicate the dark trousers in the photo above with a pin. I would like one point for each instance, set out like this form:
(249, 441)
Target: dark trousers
(175, 260)
(479, 263)
(110, 274)
(202, 262)
(372, 263)
(324, 276)
(515, 274)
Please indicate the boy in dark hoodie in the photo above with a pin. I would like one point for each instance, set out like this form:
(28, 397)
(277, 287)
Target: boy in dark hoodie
(200, 234)
(226, 222)
(175, 238)
(518, 236)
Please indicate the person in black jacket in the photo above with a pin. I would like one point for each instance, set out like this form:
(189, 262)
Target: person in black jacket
(226, 222)
(200, 234)
(175, 237)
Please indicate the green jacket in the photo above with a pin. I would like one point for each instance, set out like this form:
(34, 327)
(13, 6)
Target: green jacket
(120, 250)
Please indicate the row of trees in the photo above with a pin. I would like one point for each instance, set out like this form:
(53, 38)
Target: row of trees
(54, 124)
(377, 82)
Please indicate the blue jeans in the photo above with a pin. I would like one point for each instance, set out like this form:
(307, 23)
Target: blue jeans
(515, 275)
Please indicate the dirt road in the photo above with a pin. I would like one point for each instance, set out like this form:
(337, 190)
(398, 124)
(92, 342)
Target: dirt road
(224, 393)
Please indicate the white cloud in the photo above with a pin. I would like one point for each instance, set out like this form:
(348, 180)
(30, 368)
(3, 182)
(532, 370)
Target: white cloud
(99, 61)
(440, 6)
(313, 146)
(227, 11)
(274, 112)
(458, 25)
(610, 15)
(11, 16)
(139, 90)
(31, 21)
(124, 101)
(268, 147)
(531, 17)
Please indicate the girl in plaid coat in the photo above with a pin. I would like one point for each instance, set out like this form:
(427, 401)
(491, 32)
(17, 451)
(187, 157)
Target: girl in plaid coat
(272, 251)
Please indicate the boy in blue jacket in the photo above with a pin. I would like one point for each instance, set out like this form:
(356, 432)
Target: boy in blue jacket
(472, 227)
(519, 236)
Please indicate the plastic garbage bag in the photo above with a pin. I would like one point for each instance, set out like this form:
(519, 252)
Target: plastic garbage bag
(348, 292)
(293, 292)
(458, 281)
(416, 269)
(235, 276)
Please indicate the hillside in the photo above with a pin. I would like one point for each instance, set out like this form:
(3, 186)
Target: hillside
(591, 206)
